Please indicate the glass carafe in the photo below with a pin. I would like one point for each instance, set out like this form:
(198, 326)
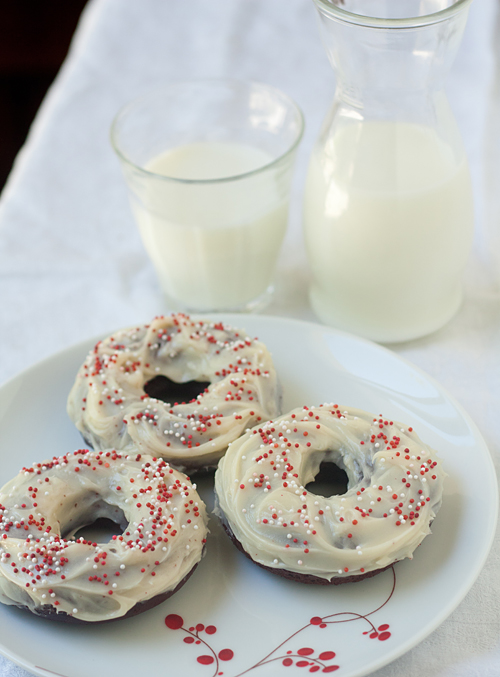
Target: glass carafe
(388, 212)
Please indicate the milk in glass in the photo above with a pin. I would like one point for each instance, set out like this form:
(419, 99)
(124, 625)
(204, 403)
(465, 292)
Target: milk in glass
(212, 220)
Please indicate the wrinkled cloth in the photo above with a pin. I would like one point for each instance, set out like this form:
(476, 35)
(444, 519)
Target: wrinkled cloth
(72, 264)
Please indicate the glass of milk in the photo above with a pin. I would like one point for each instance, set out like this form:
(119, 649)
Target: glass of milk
(208, 165)
(388, 211)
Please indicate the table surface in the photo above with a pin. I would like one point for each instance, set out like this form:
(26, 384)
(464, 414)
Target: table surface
(72, 264)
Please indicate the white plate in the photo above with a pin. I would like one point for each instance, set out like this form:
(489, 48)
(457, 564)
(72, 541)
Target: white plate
(261, 620)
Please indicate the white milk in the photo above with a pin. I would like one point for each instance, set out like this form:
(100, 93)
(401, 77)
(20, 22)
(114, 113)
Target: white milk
(388, 220)
(214, 244)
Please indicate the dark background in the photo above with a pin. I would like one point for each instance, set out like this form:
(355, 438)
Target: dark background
(34, 40)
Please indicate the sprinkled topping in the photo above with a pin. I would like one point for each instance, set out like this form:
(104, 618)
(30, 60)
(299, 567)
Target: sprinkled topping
(272, 513)
(38, 553)
(112, 403)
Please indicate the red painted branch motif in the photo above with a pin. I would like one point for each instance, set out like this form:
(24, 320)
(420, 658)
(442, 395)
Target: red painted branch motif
(304, 657)
(176, 622)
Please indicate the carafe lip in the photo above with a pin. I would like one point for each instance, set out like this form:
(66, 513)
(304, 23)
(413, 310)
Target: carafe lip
(334, 11)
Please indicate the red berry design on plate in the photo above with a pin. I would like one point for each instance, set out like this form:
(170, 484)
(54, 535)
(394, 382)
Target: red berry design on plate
(176, 622)
(304, 657)
(315, 664)
(382, 632)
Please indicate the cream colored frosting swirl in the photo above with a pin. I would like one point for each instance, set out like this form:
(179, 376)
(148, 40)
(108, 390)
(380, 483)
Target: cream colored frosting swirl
(109, 406)
(164, 522)
(394, 492)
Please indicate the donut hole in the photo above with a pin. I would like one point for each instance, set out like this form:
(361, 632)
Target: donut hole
(100, 531)
(163, 388)
(331, 480)
(98, 522)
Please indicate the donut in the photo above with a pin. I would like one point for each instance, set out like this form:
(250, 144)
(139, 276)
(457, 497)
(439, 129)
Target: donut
(176, 388)
(48, 571)
(269, 508)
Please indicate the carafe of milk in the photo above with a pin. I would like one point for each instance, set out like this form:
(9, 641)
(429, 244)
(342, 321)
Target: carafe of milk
(388, 212)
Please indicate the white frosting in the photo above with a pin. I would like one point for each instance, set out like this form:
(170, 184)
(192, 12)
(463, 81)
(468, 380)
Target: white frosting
(394, 491)
(110, 408)
(164, 523)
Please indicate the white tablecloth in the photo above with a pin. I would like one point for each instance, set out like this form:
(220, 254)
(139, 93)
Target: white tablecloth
(72, 264)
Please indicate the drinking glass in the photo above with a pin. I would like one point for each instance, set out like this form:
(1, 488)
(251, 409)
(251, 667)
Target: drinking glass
(208, 165)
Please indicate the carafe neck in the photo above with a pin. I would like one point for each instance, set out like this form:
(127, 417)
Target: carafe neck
(391, 64)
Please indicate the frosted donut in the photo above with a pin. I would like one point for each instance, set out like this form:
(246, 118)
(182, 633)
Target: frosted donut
(44, 569)
(114, 402)
(395, 484)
